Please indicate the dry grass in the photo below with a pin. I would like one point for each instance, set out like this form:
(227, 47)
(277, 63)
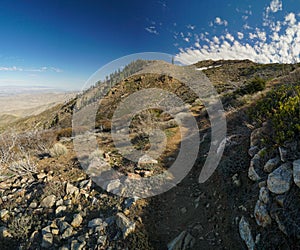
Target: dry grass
(58, 149)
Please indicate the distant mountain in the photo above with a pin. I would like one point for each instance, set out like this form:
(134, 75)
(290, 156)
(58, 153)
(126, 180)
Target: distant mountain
(16, 90)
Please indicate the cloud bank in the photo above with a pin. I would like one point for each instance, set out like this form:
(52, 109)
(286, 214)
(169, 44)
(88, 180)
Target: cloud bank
(276, 41)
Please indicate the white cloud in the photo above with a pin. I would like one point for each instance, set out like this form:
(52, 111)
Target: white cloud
(191, 27)
(13, 68)
(42, 69)
(240, 35)
(216, 40)
(152, 30)
(230, 37)
(290, 19)
(275, 6)
(277, 41)
(246, 27)
(252, 36)
(265, 47)
(219, 21)
(186, 39)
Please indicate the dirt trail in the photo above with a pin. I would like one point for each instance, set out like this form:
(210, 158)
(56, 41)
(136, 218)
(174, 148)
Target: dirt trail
(207, 211)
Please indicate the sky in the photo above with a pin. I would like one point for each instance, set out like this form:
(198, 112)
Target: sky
(61, 43)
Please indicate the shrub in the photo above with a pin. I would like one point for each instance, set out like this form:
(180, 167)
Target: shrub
(23, 167)
(58, 149)
(255, 85)
(281, 107)
(64, 132)
(21, 226)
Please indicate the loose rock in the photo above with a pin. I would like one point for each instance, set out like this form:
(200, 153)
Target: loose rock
(264, 195)
(279, 181)
(261, 214)
(296, 172)
(271, 164)
(245, 233)
(77, 220)
(49, 201)
(124, 224)
(47, 240)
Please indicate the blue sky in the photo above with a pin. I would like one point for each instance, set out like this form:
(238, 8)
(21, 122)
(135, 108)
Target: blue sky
(61, 43)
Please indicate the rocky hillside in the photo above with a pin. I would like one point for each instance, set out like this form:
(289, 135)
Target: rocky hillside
(251, 202)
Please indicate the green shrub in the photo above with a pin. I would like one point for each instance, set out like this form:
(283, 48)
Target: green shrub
(255, 85)
(281, 107)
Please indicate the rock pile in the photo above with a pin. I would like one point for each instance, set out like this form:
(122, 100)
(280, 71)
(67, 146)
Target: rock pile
(276, 171)
(39, 213)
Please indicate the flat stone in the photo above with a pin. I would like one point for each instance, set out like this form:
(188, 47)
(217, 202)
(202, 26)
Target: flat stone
(49, 201)
(245, 233)
(271, 164)
(296, 172)
(279, 181)
(261, 214)
(124, 224)
(146, 159)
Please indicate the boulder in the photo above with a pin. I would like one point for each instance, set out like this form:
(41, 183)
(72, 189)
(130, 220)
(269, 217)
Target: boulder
(279, 181)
